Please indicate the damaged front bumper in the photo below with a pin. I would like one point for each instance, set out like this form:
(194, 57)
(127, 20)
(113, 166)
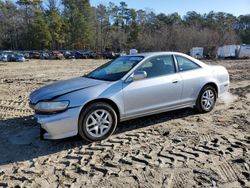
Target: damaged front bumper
(60, 125)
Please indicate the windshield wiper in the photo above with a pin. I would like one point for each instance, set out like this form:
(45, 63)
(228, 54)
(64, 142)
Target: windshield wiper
(92, 77)
(88, 76)
(103, 79)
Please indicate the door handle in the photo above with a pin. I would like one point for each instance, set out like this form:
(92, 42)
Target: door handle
(175, 81)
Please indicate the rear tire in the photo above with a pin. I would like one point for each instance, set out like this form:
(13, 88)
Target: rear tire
(97, 122)
(206, 99)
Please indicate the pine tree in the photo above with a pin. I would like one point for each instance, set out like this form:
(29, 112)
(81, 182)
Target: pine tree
(55, 24)
(28, 6)
(41, 36)
(133, 29)
(77, 15)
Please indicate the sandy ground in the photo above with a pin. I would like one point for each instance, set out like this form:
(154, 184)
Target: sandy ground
(173, 149)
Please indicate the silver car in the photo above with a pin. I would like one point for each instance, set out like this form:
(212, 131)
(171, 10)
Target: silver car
(20, 58)
(4, 57)
(126, 88)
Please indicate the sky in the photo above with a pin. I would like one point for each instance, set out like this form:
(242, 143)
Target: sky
(235, 7)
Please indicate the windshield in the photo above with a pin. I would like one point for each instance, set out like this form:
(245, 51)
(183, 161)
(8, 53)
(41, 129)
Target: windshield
(116, 69)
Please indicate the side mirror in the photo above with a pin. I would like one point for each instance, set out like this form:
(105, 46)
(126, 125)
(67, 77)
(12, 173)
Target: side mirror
(138, 75)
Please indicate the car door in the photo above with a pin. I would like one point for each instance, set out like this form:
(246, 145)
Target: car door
(191, 74)
(159, 90)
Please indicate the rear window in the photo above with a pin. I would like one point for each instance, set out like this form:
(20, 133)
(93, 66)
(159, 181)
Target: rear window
(185, 64)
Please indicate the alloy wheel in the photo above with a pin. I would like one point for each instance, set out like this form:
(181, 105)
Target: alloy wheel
(207, 99)
(98, 123)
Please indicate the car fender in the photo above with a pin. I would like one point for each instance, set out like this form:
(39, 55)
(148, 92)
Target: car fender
(111, 91)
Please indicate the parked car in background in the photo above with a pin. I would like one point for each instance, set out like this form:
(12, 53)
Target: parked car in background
(92, 54)
(4, 55)
(11, 57)
(126, 88)
(99, 55)
(20, 58)
(80, 55)
(15, 57)
(123, 53)
(44, 55)
(119, 54)
(55, 55)
(108, 54)
(68, 55)
(26, 54)
(34, 55)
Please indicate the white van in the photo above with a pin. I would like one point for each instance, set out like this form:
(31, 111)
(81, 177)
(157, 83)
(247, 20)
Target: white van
(227, 51)
(197, 52)
(244, 51)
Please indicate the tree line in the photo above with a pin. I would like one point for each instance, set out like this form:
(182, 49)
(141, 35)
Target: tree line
(74, 24)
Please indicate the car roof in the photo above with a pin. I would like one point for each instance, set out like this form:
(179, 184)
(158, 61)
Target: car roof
(148, 54)
(152, 54)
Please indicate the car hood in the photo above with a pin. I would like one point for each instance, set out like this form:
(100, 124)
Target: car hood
(60, 88)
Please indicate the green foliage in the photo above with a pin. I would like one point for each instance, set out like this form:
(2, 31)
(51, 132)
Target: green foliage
(243, 28)
(55, 25)
(74, 24)
(77, 17)
(134, 29)
(29, 2)
(41, 37)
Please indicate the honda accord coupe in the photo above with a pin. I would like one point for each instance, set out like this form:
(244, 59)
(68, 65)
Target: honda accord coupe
(128, 87)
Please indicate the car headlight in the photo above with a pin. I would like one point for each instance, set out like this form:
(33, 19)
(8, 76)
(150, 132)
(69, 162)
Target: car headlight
(51, 106)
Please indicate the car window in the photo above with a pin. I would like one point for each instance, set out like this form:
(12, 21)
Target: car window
(158, 66)
(120, 66)
(186, 64)
(116, 69)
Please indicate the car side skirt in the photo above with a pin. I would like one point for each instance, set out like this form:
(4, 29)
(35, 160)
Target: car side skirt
(190, 105)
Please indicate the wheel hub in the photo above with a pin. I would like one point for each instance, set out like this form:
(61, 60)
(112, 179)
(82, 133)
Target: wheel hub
(208, 99)
(98, 123)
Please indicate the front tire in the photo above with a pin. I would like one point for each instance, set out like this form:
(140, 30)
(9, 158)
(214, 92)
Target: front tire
(97, 122)
(206, 99)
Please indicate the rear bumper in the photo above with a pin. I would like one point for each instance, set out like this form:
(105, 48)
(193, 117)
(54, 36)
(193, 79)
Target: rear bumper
(223, 88)
(61, 125)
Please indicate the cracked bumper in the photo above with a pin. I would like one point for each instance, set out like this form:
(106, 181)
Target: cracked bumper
(58, 126)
